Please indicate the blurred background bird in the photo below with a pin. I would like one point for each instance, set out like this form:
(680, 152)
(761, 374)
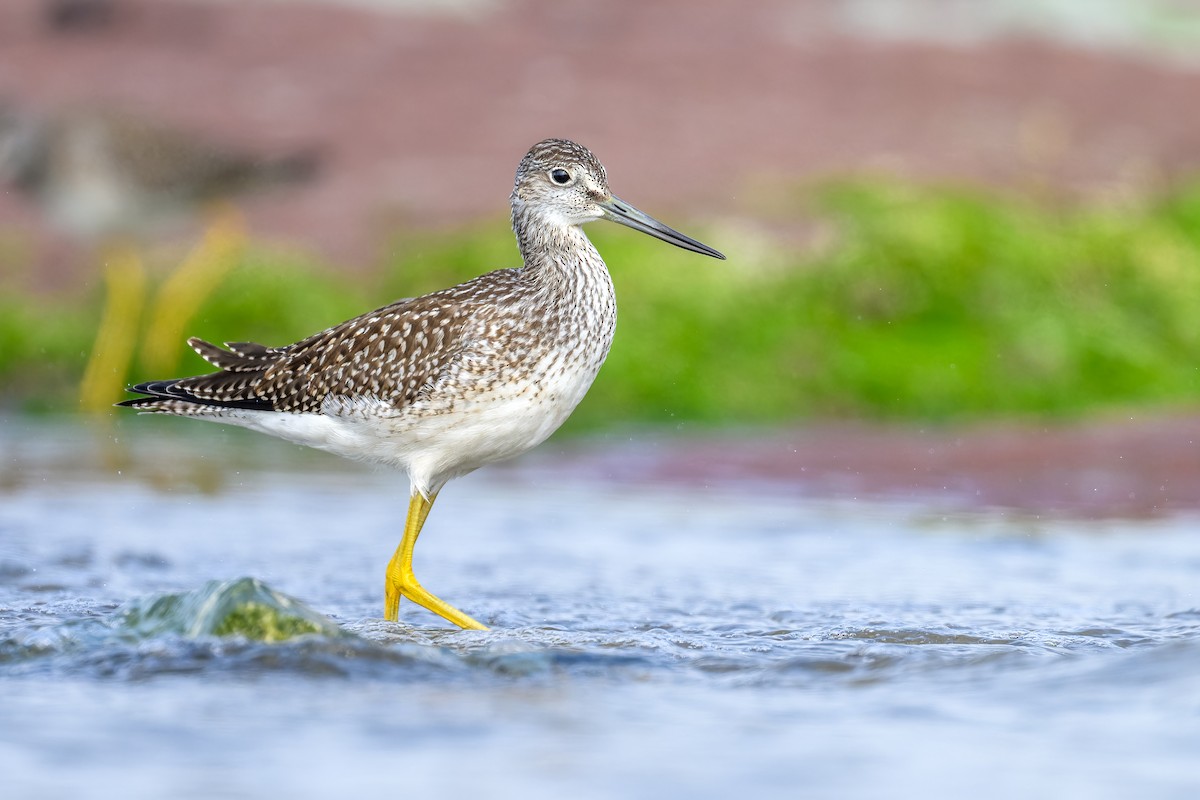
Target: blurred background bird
(113, 180)
(102, 173)
(79, 16)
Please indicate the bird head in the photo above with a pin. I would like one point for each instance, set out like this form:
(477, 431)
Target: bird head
(561, 183)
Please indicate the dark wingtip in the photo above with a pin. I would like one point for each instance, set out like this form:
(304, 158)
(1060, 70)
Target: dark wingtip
(150, 391)
(154, 392)
(133, 401)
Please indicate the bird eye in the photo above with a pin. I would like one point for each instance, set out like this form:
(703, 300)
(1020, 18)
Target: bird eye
(560, 176)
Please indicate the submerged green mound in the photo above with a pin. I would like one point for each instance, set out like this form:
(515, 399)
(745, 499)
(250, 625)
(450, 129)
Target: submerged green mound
(243, 607)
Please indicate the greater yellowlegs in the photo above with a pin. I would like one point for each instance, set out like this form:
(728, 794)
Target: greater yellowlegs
(443, 384)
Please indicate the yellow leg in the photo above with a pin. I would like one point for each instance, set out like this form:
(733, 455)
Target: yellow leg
(108, 366)
(186, 290)
(401, 582)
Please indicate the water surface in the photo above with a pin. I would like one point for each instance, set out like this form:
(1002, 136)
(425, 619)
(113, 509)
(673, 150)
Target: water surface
(647, 640)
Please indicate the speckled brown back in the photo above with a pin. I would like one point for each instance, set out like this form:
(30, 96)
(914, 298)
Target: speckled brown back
(391, 354)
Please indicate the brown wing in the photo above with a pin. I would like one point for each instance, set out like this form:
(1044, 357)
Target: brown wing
(389, 354)
(392, 354)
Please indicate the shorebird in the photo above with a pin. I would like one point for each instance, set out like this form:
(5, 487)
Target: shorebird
(443, 384)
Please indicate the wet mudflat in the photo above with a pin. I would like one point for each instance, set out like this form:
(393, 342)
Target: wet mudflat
(648, 638)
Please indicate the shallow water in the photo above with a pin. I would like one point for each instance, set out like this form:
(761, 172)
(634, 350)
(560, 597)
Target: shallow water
(647, 640)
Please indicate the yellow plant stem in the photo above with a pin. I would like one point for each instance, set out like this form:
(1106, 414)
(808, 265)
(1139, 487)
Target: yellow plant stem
(182, 294)
(108, 366)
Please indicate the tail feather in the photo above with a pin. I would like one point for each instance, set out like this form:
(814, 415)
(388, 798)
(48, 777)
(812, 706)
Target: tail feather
(253, 351)
(232, 387)
(170, 397)
(240, 357)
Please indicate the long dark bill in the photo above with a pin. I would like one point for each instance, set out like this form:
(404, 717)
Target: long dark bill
(618, 210)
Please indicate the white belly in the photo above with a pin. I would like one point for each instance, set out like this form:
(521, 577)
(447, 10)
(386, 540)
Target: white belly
(434, 442)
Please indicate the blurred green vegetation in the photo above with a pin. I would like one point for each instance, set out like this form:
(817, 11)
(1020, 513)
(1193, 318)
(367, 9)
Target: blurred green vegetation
(915, 302)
